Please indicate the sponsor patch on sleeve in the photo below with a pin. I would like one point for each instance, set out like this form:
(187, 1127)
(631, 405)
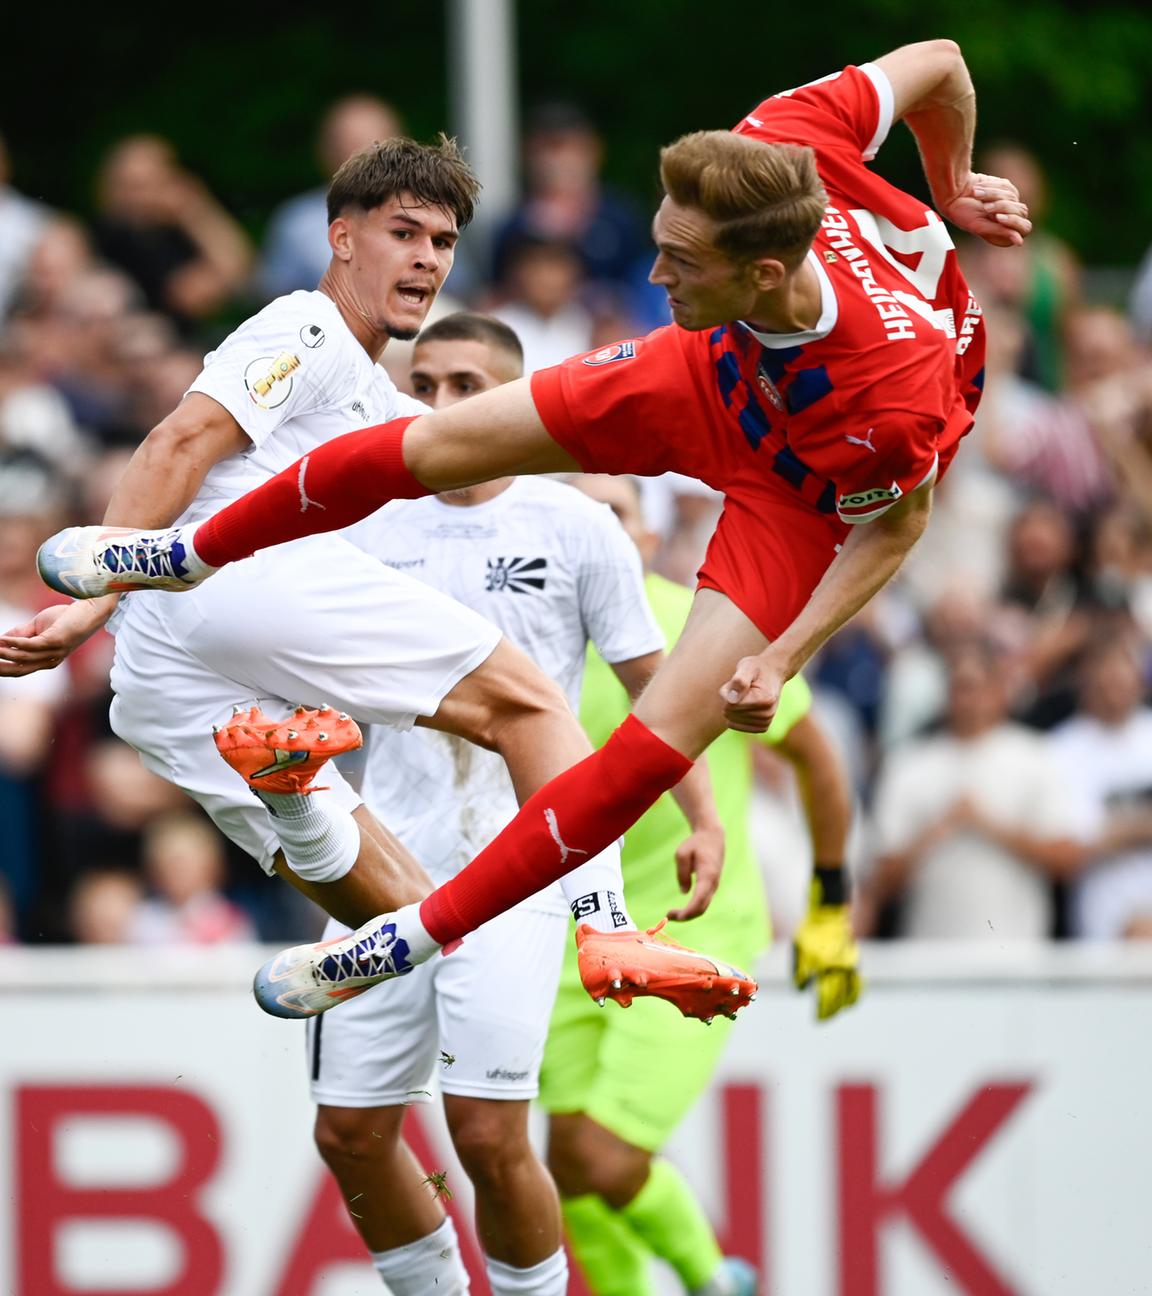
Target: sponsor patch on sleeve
(606, 355)
(863, 505)
(268, 379)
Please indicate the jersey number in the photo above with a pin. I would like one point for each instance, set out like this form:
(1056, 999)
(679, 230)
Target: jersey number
(931, 241)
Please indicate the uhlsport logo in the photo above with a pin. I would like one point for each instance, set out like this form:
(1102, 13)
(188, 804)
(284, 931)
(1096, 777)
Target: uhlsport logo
(518, 575)
(617, 351)
(268, 379)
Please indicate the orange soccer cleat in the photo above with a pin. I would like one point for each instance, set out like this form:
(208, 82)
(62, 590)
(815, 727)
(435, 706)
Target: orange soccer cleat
(622, 965)
(284, 757)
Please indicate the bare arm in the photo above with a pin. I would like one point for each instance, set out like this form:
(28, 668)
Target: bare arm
(933, 94)
(170, 464)
(824, 789)
(701, 855)
(867, 561)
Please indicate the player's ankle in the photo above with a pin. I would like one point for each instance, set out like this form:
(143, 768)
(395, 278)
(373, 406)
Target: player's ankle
(195, 565)
(410, 928)
(603, 911)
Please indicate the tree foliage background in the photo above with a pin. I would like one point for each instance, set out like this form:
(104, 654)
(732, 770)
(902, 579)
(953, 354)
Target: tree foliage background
(239, 92)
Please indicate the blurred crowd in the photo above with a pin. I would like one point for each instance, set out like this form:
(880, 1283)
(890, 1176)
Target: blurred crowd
(992, 704)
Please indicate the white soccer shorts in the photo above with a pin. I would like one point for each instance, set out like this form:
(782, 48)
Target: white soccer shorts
(475, 1020)
(315, 621)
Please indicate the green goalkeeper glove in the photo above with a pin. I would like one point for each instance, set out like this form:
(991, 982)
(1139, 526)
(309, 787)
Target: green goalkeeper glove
(823, 947)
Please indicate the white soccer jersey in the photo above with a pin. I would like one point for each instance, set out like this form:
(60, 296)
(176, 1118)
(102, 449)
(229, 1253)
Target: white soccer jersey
(553, 569)
(293, 376)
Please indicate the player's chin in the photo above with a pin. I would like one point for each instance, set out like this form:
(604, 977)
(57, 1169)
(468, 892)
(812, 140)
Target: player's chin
(692, 319)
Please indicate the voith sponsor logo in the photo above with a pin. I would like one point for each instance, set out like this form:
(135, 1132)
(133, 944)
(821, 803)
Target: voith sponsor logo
(898, 326)
(878, 495)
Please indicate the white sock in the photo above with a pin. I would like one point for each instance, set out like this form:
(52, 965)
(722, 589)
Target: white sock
(196, 567)
(548, 1278)
(410, 928)
(428, 1267)
(595, 892)
(320, 839)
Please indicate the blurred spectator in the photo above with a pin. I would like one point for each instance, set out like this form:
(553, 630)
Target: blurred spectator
(61, 257)
(973, 824)
(185, 864)
(1106, 749)
(8, 934)
(34, 416)
(1120, 563)
(914, 690)
(684, 513)
(1110, 389)
(104, 906)
(1041, 279)
(1042, 442)
(28, 709)
(159, 223)
(21, 224)
(1140, 300)
(77, 347)
(543, 282)
(565, 201)
(296, 251)
(1047, 612)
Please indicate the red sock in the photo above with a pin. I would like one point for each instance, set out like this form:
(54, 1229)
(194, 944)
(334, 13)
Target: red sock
(333, 486)
(568, 821)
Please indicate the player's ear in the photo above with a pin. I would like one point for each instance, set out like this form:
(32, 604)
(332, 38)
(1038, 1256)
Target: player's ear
(767, 273)
(340, 239)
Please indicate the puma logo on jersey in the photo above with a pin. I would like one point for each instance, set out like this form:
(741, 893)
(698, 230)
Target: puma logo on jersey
(305, 502)
(865, 441)
(554, 829)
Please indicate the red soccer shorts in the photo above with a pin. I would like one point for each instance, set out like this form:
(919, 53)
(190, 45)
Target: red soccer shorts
(649, 406)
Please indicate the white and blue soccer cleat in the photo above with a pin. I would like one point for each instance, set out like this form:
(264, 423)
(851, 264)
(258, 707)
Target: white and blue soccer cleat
(88, 562)
(309, 979)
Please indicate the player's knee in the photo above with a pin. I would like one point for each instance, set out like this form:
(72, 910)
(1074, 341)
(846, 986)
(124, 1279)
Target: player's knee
(490, 1143)
(524, 702)
(351, 1135)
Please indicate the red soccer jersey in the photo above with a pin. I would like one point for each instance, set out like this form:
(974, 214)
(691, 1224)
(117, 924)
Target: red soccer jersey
(850, 415)
(874, 400)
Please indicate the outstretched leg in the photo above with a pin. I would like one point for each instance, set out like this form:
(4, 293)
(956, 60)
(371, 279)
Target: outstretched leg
(495, 434)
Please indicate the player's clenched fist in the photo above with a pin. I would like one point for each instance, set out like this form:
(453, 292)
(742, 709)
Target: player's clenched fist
(752, 694)
(824, 951)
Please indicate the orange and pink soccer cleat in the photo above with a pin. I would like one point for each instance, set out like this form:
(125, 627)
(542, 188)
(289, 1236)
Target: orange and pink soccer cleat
(624, 965)
(284, 756)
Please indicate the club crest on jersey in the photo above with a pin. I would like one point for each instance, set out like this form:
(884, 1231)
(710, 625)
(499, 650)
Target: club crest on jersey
(268, 380)
(769, 388)
(517, 575)
(617, 351)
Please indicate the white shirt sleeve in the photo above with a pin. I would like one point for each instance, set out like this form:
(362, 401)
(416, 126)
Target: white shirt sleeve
(613, 604)
(264, 374)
